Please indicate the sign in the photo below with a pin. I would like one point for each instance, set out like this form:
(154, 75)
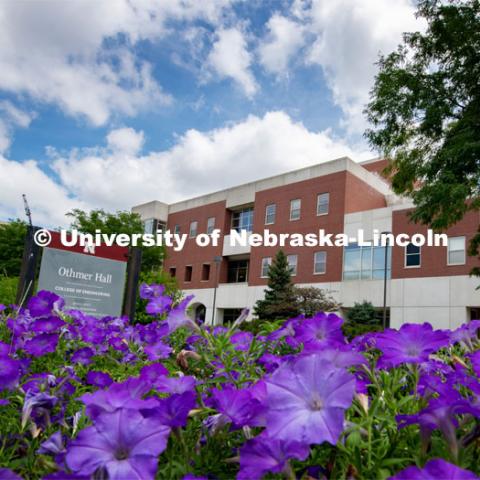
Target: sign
(90, 279)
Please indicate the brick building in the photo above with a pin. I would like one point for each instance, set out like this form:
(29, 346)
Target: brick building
(341, 196)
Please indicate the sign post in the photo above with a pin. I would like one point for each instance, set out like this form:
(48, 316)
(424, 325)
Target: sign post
(29, 264)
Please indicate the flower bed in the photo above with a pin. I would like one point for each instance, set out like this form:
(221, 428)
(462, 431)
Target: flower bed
(89, 398)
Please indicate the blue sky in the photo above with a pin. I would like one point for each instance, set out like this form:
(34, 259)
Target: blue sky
(110, 104)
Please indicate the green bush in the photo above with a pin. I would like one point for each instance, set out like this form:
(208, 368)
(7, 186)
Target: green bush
(8, 289)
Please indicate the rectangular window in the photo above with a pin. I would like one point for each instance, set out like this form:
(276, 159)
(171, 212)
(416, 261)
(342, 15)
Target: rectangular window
(210, 225)
(365, 263)
(150, 225)
(237, 271)
(188, 273)
(456, 251)
(243, 220)
(323, 202)
(292, 263)
(295, 208)
(205, 272)
(320, 262)
(173, 272)
(412, 256)
(176, 229)
(270, 212)
(266, 262)
(193, 229)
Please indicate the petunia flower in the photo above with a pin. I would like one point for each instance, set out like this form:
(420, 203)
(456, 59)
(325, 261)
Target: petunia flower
(177, 317)
(43, 303)
(320, 330)
(264, 455)
(435, 469)
(175, 384)
(307, 399)
(10, 372)
(7, 474)
(123, 443)
(83, 355)
(173, 410)
(157, 351)
(41, 344)
(98, 379)
(47, 325)
(158, 305)
(413, 343)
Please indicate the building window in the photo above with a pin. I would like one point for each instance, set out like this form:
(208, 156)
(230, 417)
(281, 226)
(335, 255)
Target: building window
(176, 229)
(292, 263)
(323, 202)
(205, 272)
(188, 273)
(295, 208)
(320, 262)
(237, 271)
(270, 212)
(412, 255)
(193, 229)
(149, 225)
(243, 220)
(230, 315)
(173, 271)
(266, 262)
(456, 251)
(365, 263)
(210, 225)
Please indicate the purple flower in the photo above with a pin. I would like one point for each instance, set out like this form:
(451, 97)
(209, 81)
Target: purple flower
(93, 335)
(175, 384)
(158, 305)
(173, 410)
(320, 330)
(242, 341)
(10, 372)
(263, 455)
(47, 325)
(238, 405)
(157, 351)
(41, 344)
(123, 443)
(43, 303)
(178, 318)
(83, 356)
(99, 379)
(7, 474)
(434, 470)
(150, 373)
(411, 344)
(118, 395)
(147, 292)
(307, 399)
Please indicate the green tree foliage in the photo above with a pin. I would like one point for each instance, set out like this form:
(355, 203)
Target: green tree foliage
(279, 301)
(12, 241)
(310, 300)
(363, 313)
(425, 113)
(119, 222)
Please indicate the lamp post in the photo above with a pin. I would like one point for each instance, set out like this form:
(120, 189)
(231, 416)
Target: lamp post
(384, 320)
(217, 260)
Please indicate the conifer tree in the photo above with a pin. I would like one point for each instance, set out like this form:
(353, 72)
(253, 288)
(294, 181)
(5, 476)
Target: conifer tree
(279, 301)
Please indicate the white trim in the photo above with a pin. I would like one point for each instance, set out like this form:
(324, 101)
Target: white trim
(464, 251)
(405, 257)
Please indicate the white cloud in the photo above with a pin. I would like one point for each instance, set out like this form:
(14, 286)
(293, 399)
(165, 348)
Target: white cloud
(350, 34)
(10, 117)
(118, 176)
(284, 39)
(67, 52)
(230, 58)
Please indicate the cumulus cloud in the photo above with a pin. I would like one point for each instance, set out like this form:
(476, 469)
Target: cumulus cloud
(118, 175)
(349, 37)
(11, 117)
(283, 40)
(230, 58)
(80, 55)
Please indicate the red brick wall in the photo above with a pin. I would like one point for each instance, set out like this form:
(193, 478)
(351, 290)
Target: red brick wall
(433, 259)
(376, 167)
(360, 196)
(309, 222)
(192, 254)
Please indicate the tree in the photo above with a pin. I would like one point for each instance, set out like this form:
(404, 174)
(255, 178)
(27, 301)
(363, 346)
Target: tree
(12, 241)
(310, 300)
(363, 313)
(425, 113)
(119, 222)
(279, 301)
